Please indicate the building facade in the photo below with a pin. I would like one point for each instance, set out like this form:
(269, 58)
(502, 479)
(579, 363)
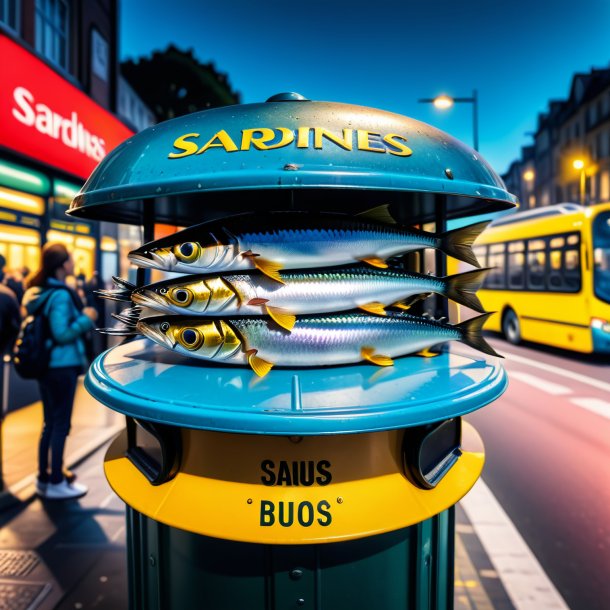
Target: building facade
(59, 102)
(569, 160)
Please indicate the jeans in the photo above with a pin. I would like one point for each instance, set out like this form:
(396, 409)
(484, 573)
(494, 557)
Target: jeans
(57, 389)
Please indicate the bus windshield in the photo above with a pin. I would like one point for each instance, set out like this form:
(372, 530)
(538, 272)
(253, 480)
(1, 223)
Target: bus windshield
(601, 254)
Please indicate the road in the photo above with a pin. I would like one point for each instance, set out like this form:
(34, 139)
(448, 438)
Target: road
(548, 464)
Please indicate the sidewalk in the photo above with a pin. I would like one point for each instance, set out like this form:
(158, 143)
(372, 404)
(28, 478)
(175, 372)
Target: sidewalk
(92, 425)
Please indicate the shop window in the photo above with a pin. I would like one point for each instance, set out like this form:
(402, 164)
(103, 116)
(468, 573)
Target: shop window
(52, 28)
(9, 14)
(20, 247)
(21, 202)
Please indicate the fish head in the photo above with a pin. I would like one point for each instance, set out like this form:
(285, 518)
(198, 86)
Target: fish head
(171, 296)
(158, 329)
(184, 256)
(190, 337)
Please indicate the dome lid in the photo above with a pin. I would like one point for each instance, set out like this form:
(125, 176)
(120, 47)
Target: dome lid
(289, 153)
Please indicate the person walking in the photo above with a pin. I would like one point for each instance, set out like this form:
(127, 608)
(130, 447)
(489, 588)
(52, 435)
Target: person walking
(68, 321)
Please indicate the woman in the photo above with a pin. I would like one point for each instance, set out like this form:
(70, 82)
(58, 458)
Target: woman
(68, 321)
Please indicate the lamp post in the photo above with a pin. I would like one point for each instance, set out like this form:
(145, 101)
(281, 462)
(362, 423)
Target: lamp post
(444, 102)
(579, 165)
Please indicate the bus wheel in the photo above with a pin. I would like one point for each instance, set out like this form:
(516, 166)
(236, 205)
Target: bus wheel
(511, 327)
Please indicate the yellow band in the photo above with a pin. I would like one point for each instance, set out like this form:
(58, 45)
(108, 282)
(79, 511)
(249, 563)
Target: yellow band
(279, 490)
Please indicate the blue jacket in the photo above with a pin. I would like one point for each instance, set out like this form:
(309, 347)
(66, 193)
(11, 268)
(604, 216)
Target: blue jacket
(67, 323)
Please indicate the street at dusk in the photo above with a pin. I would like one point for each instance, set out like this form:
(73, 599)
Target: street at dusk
(304, 308)
(549, 468)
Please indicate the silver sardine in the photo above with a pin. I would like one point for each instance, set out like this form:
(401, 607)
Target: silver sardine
(314, 340)
(274, 241)
(300, 292)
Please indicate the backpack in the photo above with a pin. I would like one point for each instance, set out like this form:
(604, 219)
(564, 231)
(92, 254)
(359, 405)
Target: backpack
(32, 351)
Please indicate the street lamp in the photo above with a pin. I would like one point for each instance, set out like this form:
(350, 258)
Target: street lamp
(444, 102)
(579, 164)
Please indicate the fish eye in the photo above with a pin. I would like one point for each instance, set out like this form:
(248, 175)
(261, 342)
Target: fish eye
(191, 338)
(164, 326)
(181, 296)
(188, 252)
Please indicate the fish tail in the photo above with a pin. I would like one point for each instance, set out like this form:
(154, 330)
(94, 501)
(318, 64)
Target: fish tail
(462, 287)
(458, 243)
(122, 292)
(471, 334)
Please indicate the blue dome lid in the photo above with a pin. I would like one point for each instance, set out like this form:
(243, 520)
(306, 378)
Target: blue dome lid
(286, 153)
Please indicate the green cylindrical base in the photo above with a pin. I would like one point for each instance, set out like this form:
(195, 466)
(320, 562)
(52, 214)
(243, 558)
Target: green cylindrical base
(409, 569)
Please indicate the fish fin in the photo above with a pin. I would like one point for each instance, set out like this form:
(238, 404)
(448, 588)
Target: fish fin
(471, 331)
(368, 353)
(426, 353)
(376, 308)
(375, 261)
(257, 301)
(121, 293)
(381, 214)
(282, 317)
(269, 268)
(406, 304)
(259, 366)
(458, 243)
(462, 287)
(249, 253)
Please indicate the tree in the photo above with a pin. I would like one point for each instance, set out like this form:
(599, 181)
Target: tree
(173, 82)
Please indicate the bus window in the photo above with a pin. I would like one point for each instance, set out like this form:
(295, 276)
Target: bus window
(496, 278)
(571, 270)
(601, 256)
(516, 261)
(481, 253)
(536, 264)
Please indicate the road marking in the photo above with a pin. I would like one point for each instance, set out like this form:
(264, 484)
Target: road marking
(596, 383)
(595, 405)
(546, 386)
(524, 579)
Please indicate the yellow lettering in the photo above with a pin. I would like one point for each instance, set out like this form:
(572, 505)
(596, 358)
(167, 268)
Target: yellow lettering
(183, 144)
(392, 140)
(345, 143)
(266, 135)
(224, 141)
(303, 137)
(364, 143)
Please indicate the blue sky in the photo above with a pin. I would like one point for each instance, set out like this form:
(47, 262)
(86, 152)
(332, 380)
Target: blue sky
(388, 54)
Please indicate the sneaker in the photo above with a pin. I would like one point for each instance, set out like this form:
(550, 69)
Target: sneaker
(64, 491)
(41, 487)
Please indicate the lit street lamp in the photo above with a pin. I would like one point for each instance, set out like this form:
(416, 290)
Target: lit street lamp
(444, 102)
(579, 164)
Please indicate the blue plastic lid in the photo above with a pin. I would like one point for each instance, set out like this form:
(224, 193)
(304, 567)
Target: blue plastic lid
(275, 154)
(144, 380)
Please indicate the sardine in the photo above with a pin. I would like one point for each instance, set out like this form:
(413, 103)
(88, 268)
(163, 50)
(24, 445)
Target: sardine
(274, 241)
(314, 340)
(300, 292)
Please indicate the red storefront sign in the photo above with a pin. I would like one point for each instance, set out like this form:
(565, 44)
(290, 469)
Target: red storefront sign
(44, 117)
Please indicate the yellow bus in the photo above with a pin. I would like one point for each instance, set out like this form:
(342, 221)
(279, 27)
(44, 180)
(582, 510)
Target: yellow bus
(550, 281)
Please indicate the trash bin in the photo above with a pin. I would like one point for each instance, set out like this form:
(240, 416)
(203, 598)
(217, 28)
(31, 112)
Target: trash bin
(311, 488)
